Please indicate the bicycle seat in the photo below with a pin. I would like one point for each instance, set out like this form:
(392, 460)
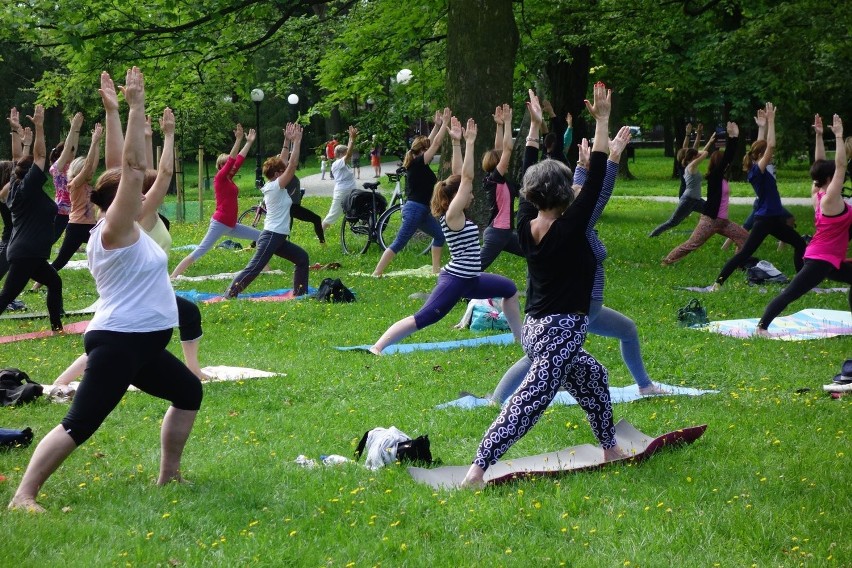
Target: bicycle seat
(371, 186)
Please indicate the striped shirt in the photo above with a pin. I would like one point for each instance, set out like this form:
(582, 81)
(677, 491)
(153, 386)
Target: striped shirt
(464, 250)
(598, 248)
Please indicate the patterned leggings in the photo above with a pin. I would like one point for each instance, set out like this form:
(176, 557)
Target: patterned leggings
(705, 229)
(555, 345)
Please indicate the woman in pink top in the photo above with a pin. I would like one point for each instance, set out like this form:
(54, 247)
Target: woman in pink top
(224, 221)
(825, 255)
(60, 158)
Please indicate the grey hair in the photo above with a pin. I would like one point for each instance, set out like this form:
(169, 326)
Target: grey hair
(547, 185)
(340, 150)
(76, 167)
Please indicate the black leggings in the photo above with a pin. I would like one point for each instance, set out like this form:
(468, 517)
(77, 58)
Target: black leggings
(304, 214)
(59, 224)
(4, 264)
(118, 360)
(812, 273)
(75, 235)
(189, 319)
(20, 272)
(763, 227)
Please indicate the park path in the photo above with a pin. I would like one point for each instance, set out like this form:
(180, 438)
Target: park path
(315, 185)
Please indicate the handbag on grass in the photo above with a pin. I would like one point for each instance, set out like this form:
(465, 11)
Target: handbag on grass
(692, 314)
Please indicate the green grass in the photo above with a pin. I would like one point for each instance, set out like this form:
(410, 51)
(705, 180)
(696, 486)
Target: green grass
(765, 486)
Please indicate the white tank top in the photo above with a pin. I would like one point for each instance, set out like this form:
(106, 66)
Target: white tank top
(134, 291)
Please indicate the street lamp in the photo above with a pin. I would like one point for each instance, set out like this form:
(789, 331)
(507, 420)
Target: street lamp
(257, 97)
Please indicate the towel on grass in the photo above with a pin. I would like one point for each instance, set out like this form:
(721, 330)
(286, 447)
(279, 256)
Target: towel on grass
(616, 394)
(422, 272)
(220, 276)
(803, 325)
(501, 339)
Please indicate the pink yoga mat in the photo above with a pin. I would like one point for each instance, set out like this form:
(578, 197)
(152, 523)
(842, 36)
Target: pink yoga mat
(70, 328)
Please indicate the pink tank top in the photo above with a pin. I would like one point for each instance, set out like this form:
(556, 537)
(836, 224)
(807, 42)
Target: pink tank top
(832, 236)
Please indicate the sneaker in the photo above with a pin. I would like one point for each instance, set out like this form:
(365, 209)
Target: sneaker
(16, 306)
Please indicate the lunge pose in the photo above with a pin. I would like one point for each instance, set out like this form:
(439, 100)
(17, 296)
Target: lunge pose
(461, 277)
(275, 237)
(825, 255)
(714, 220)
(552, 229)
(344, 179)
(419, 191)
(770, 218)
(128, 335)
(224, 221)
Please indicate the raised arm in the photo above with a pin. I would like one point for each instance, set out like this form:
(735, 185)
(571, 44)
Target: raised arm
(437, 137)
(731, 144)
(27, 142)
(568, 137)
(69, 150)
(770, 137)
(39, 148)
(437, 123)
(238, 139)
(84, 177)
(455, 131)
(120, 229)
(293, 134)
(455, 216)
(506, 153)
(760, 121)
(536, 118)
(832, 202)
(819, 144)
(498, 131)
(250, 138)
(692, 166)
(114, 137)
(284, 155)
(698, 132)
(149, 143)
(353, 134)
(157, 193)
(687, 135)
(17, 132)
(600, 110)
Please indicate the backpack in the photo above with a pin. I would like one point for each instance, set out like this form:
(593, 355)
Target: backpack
(334, 291)
(763, 272)
(16, 387)
(388, 445)
(15, 438)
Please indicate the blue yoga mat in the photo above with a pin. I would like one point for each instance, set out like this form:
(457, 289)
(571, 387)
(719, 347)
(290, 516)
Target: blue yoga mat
(616, 394)
(196, 296)
(502, 339)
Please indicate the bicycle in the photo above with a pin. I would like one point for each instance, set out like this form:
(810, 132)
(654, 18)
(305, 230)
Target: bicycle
(362, 211)
(252, 216)
(391, 221)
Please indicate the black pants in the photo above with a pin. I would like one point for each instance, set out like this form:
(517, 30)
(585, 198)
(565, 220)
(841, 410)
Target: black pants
(118, 360)
(59, 224)
(304, 214)
(75, 235)
(189, 319)
(763, 227)
(4, 264)
(20, 272)
(812, 273)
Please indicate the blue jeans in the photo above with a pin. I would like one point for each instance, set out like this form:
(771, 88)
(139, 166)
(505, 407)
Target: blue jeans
(603, 321)
(417, 216)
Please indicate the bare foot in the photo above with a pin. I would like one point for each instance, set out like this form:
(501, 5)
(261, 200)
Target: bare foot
(764, 333)
(615, 453)
(715, 287)
(27, 504)
(176, 478)
(374, 351)
(652, 390)
(474, 484)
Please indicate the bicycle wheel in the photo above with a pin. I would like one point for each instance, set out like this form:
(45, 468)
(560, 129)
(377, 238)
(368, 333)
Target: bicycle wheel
(251, 216)
(388, 227)
(355, 236)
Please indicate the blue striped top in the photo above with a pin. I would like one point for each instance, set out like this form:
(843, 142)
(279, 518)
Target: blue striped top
(465, 257)
(598, 248)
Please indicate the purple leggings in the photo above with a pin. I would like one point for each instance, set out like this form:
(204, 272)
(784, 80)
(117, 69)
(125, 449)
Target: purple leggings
(451, 289)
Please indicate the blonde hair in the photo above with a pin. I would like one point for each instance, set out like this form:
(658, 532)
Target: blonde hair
(756, 153)
(76, 167)
(220, 160)
(490, 159)
(420, 144)
(443, 194)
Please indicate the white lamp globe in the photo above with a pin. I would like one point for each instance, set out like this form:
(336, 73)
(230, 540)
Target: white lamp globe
(256, 95)
(293, 99)
(404, 76)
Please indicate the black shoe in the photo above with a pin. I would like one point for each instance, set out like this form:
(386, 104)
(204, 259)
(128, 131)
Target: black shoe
(16, 306)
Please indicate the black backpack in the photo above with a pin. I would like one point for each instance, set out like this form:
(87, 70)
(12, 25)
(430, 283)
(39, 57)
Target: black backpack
(16, 387)
(416, 450)
(334, 291)
(15, 438)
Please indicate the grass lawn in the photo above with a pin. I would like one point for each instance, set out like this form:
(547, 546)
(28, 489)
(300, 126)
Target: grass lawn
(765, 486)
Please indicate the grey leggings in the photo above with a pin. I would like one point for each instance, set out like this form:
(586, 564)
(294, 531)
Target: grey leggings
(217, 230)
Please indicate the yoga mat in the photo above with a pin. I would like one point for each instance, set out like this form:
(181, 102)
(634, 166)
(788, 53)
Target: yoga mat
(570, 460)
(502, 339)
(422, 272)
(280, 295)
(77, 265)
(71, 328)
(38, 315)
(617, 395)
(801, 326)
(707, 289)
(226, 373)
(220, 276)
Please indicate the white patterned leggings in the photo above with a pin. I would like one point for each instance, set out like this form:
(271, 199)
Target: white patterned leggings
(554, 343)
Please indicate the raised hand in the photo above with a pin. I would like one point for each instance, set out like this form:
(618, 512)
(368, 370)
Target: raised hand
(149, 131)
(77, 121)
(837, 127)
(97, 133)
(167, 122)
(619, 143)
(353, 132)
(251, 133)
(534, 107)
(134, 88)
(27, 137)
(108, 93)
(584, 152)
(733, 130)
(470, 131)
(507, 115)
(688, 128)
(700, 128)
(498, 115)
(770, 111)
(602, 104)
(817, 125)
(446, 115)
(760, 119)
(438, 119)
(456, 129)
(38, 116)
(15, 119)
(238, 132)
(548, 108)
(297, 133)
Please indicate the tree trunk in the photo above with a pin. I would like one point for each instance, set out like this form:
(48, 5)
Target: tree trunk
(479, 79)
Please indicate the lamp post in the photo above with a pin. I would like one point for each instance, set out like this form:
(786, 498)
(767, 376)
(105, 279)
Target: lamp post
(257, 97)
